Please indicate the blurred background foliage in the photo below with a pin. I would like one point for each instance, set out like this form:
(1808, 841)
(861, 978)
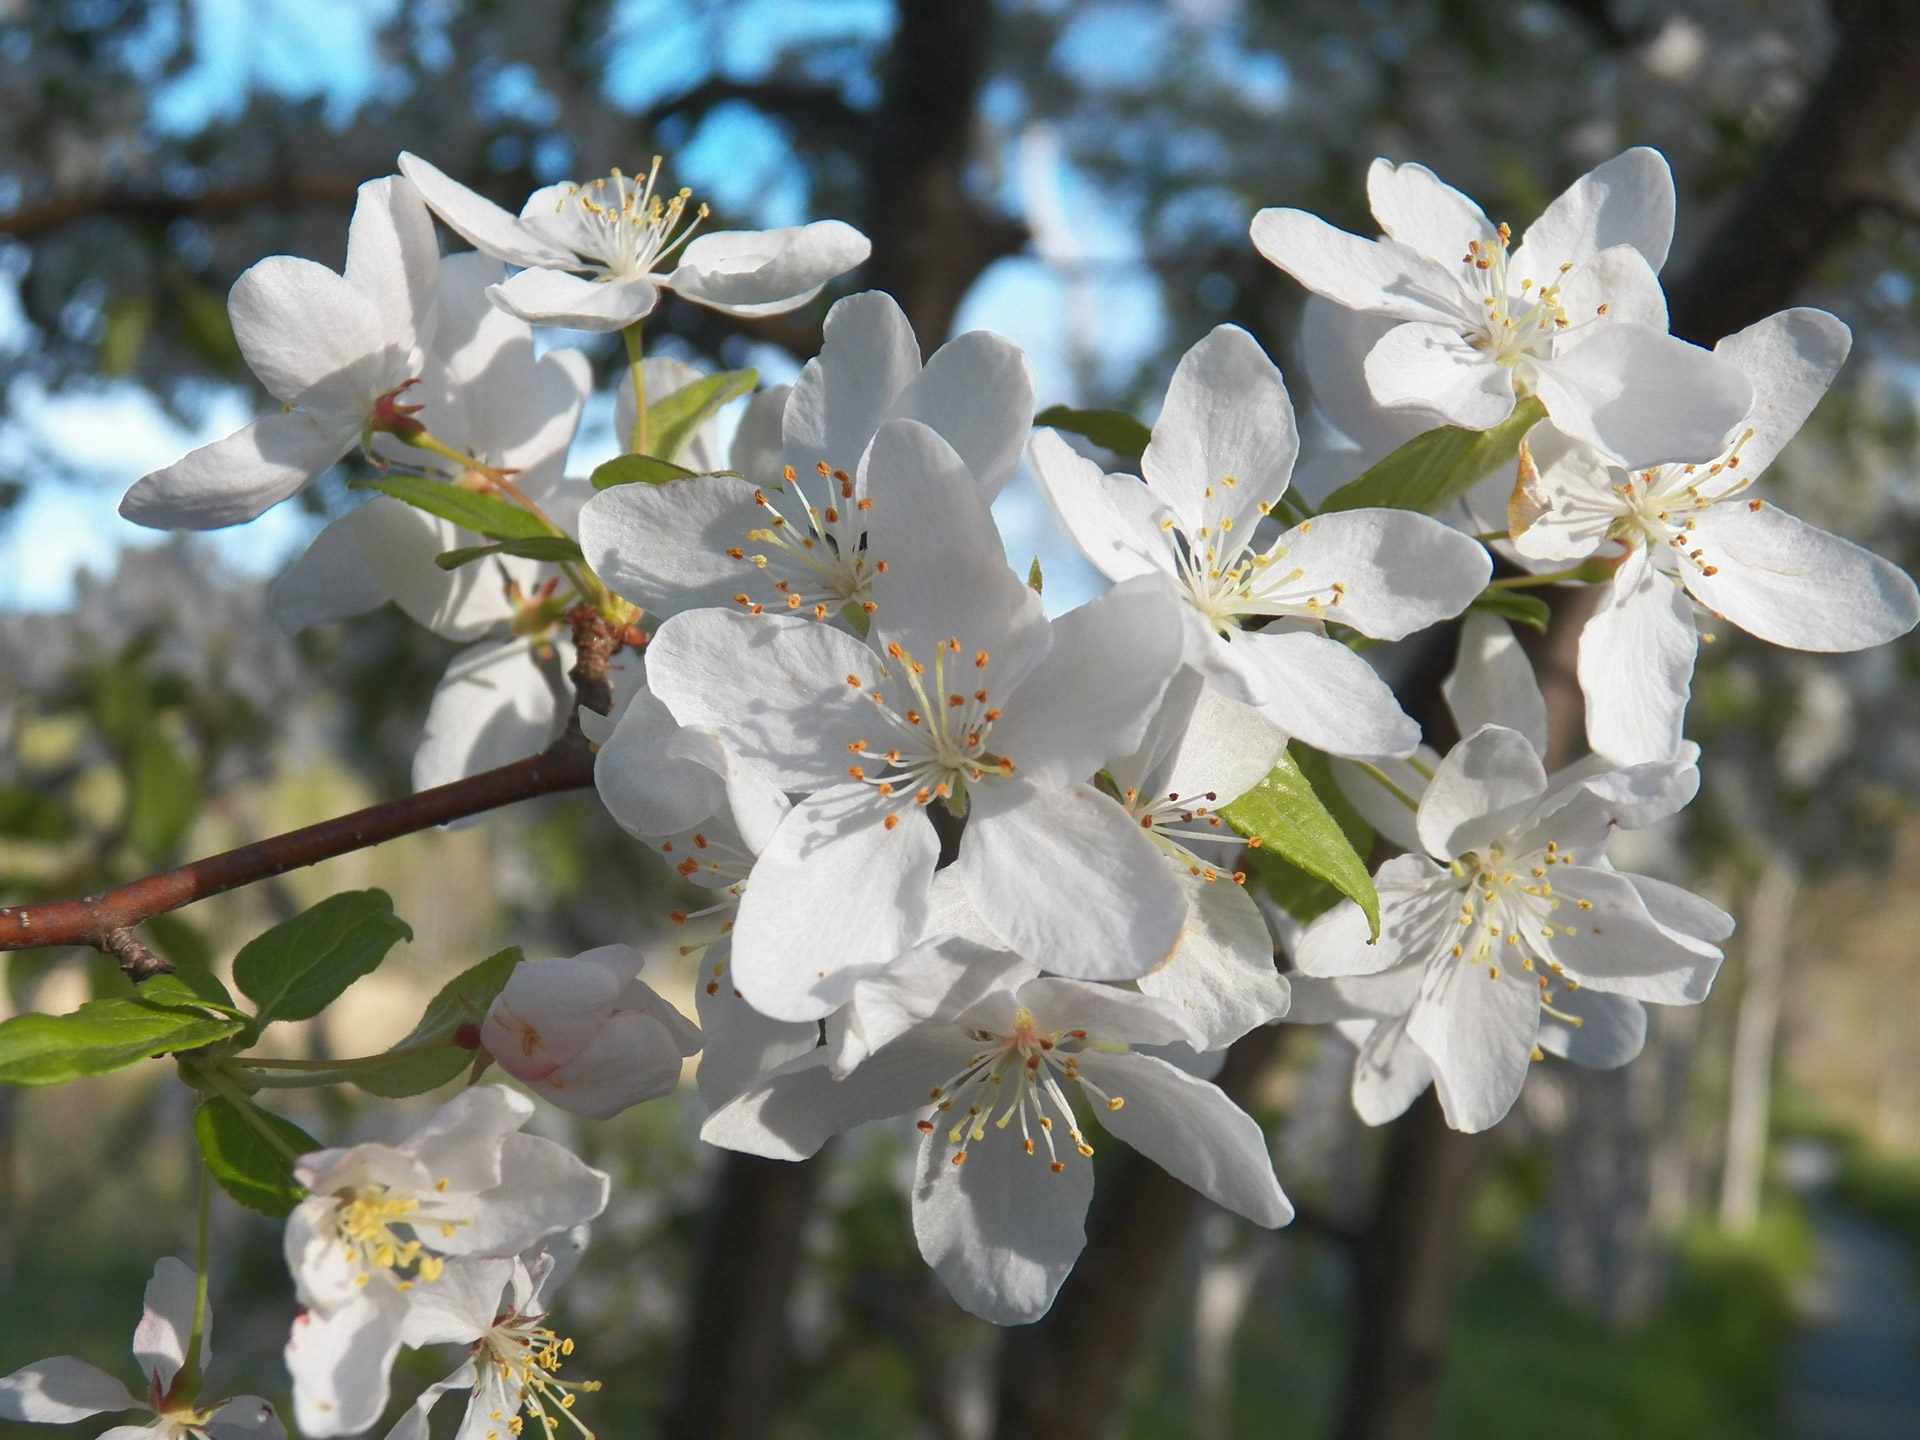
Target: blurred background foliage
(1714, 1242)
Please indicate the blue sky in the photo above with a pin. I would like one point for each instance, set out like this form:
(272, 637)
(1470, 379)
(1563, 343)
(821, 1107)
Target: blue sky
(1088, 262)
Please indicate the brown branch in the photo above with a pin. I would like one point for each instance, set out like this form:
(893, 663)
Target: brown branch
(104, 920)
(1830, 167)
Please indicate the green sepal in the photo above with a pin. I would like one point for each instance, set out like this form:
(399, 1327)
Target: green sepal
(301, 966)
(254, 1171)
(674, 419)
(552, 548)
(102, 1036)
(1294, 825)
(1440, 466)
(638, 470)
(429, 1056)
(486, 515)
(1113, 430)
(1512, 605)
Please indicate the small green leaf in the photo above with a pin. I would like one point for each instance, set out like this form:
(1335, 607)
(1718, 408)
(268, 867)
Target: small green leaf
(1291, 821)
(430, 1055)
(26, 814)
(486, 515)
(191, 987)
(674, 419)
(1512, 605)
(552, 548)
(298, 968)
(251, 1168)
(638, 469)
(1440, 466)
(101, 1036)
(1112, 429)
(164, 796)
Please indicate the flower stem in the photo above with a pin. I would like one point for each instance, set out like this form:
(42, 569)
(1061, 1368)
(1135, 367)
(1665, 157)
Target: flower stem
(637, 441)
(227, 1091)
(186, 1386)
(1392, 789)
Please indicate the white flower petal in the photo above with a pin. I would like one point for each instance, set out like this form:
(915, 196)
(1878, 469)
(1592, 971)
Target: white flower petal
(160, 1340)
(1424, 213)
(1401, 571)
(937, 981)
(412, 1424)
(1793, 584)
(1618, 284)
(1681, 911)
(479, 221)
(1319, 690)
(60, 1390)
(393, 258)
(236, 479)
(397, 545)
(1190, 1129)
(1791, 358)
(977, 394)
(548, 1013)
(632, 1058)
(554, 297)
(1389, 1073)
(1486, 784)
(1221, 974)
(758, 450)
(647, 788)
(664, 546)
(1611, 1029)
(1381, 276)
(1380, 807)
(342, 1363)
(300, 326)
(1617, 946)
(1636, 664)
(1642, 396)
(1020, 863)
(1432, 367)
(1002, 1229)
(1417, 906)
(836, 895)
(742, 1045)
(868, 356)
(544, 1189)
(766, 272)
(1493, 683)
(1628, 200)
(1477, 1031)
(1225, 441)
(496, 704)
(773, 687)
(1113, 520)
(330, 581)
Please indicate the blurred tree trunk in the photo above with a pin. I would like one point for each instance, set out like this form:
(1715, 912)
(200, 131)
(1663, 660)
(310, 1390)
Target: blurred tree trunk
(1765, 949)
(1065, 1375)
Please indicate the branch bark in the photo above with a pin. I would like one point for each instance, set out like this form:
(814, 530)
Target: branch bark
(1065, 1375)
(103, 920)
(1830, 166)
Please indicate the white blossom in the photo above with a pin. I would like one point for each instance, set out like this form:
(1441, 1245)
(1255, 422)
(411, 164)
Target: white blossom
(64, 1389)
(334, 349)
(1575, 315)
(594, 256)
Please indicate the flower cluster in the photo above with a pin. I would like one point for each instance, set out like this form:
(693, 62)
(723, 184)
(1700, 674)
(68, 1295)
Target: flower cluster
(963, 860)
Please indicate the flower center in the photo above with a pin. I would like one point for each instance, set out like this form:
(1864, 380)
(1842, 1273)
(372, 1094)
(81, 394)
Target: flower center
(518, 1360)
(627, 230)
(364, 1220)
(1031, 1063)
(1177, 824)
(936, 733)
(1506, 910)
(1225, 579)
(820, 567)
(1517, 320)
(1660, 506)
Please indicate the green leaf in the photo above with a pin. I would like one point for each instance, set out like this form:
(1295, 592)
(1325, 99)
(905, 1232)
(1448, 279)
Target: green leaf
(298, 968)
(164, 796)
(640, 469)
(1439, 466)
(553, 548)
(101, 1036)
(1290, 821)
(251, 1168)
(1112, 429)
(27, 814)
(191, 987)
(1512, 605)
(674, 419)
(487, 515)
(430, 1055)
